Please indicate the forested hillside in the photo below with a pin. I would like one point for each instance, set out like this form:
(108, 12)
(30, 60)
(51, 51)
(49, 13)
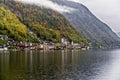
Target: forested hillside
(47, 24)
(11, 26)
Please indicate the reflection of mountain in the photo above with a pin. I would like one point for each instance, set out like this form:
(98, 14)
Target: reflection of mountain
(88, 25)
(51, 65)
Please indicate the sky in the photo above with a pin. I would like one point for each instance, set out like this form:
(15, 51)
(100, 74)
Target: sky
(107, 11)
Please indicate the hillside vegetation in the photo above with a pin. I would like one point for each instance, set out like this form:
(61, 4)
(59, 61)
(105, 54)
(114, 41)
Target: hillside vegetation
(47, 24)
(11, 26)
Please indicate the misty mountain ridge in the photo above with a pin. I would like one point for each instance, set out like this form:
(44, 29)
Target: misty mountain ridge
(89, 25)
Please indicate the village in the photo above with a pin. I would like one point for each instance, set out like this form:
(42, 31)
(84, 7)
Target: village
(11, 44)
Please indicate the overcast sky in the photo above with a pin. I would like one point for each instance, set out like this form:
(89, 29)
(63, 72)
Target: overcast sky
(106, 10)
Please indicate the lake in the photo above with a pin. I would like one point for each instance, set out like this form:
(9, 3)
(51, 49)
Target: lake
(60, 65)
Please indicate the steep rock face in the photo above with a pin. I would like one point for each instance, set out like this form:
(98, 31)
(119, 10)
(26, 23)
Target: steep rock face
(89, 25)
(46, 23)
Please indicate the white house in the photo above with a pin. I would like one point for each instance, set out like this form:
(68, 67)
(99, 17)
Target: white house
(64, 41)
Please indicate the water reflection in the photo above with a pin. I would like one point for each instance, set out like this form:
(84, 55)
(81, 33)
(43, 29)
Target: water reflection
(57, 65)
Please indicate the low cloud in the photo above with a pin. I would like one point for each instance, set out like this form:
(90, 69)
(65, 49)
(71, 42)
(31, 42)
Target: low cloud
(78, 1)
(49, 4)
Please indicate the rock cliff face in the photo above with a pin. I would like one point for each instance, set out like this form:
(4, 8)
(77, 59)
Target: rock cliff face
(89, 25)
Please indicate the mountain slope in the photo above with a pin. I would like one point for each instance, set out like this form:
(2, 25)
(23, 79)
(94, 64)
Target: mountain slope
(11, 26)
(46, 23)
(118, 34)
(88, 25)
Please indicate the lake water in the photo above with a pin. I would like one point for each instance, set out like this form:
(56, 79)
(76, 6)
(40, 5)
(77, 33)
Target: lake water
(60, 65)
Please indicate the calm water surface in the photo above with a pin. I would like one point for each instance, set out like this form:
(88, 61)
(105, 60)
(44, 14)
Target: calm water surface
(60, 65)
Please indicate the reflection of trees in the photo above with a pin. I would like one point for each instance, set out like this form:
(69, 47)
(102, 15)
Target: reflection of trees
(4, 65)
(37, 64)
